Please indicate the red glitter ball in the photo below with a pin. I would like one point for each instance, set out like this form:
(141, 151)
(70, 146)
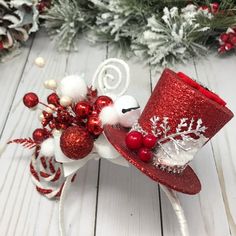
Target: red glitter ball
(39, 135)
(30, 100)
(53, 99)
(149, 141)
(94, 125)
(83, 109)
(145, 154)
(134, 140)
(76, 142)
(103, 101)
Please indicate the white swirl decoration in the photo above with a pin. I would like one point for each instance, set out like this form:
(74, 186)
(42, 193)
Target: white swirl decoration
(110, 79)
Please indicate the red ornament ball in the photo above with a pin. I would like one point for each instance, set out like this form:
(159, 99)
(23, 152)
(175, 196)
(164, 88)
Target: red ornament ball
(39, 135)
(149, 141)
(94, 125)
(103, 101)
(76, 142)
(134, 140)
(53, 99)
(83, 109)
(145, 154)
(30, 100)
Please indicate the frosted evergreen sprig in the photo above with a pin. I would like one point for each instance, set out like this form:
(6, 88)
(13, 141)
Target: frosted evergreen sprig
(175, 37)
(66, 20)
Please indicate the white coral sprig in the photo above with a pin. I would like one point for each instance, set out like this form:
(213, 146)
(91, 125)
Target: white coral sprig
(183, 136)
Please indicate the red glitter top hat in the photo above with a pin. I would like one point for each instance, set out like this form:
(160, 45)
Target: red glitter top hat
(183, 116)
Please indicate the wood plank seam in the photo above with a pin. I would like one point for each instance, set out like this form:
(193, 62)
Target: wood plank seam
(20, 77)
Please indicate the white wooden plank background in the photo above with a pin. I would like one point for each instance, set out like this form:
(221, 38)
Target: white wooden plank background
(107, 199)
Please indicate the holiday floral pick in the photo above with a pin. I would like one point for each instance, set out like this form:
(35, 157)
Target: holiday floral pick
(80, 123)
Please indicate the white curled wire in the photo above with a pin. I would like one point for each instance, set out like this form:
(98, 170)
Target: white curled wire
(102, 77)
(174, 200)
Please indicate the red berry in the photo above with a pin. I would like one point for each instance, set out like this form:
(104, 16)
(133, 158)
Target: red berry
(39, 135)
(145, 154)
(228, 46)
(221, 49)
(30, 100)
(224, 37)
(94, 125)
(94, 112)
(205, 8)
(233, 40)
(83, 109)
(53, 99)
(134, 140)
(215, 7)
(149, 141)
(102, 101)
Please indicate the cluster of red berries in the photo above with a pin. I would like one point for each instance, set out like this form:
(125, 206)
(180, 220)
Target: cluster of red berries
(84, 114)
(227, 41)
(213, 8)
(43, 5)
(142, 144)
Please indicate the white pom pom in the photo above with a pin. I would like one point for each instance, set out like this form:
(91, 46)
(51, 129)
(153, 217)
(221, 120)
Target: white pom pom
(128, 110)
(73, 86)
(47, 148)
(109, 116)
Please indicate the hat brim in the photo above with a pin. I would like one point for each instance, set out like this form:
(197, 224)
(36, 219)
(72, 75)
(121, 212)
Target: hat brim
(187, 182)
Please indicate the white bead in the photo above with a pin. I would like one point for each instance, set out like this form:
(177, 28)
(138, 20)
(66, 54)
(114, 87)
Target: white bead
(56, 132)
(50, 84)
(40, 62)
(65, 101)
(50, 108)
(41, 116)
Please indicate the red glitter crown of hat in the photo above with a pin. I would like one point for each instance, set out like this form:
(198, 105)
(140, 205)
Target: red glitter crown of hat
(184, 114)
